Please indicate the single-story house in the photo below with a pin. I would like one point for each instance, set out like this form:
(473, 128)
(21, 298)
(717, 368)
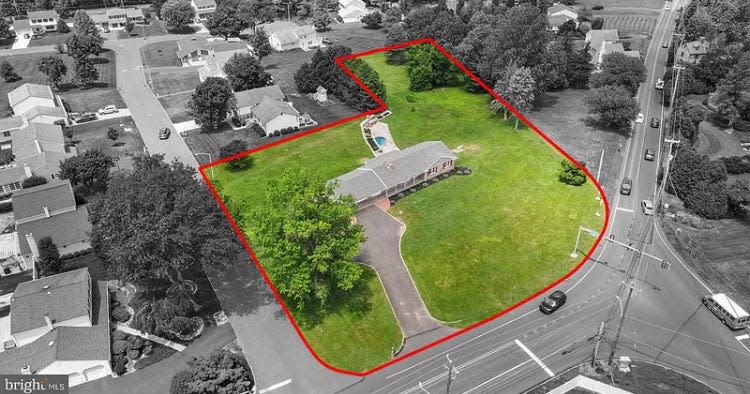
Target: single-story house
(43, 21)
(116, 18)
(596, 39)
(30, 95)
(60, 325)
(204, 9)
(274, 115)
(214, 65)
(558, 14)
(50, 210)
(352, 10)
(692, 52)
(22, 27)
(285, 36)
(196, 51)
(395, 171)
(613, 47)
(248, 99)
(45, 114)
(41, 148)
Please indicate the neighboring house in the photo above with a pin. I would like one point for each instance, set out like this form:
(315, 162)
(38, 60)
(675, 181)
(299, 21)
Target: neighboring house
(596, 39)
(395, 171)
(196, 51)
(22, 28)
(30, 95)
(321, 94)
(214, 65)
(613, 47)
(352, 10)
(248, 99)
(7, 127)
(116, 18)
(204, 9)
(50, 210)
(274, 115)
(59, 325)
(692, 52)
(44, 114)
(285, 36)
(10, 261)
(43, 21)
(558, 14)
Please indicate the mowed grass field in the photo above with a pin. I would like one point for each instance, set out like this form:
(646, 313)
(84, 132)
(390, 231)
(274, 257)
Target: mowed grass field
(160, 54)
(474, 244)
(629, 24)
(174, 80)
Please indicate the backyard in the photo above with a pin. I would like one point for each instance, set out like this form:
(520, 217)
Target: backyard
(51, 38)
(166, 81)
(503, 241)
(93, 135)
(175, 106)
(160, 54)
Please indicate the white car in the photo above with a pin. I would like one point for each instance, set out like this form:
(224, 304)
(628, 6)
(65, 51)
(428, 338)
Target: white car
(648, 207)
(659, 84)
(110, 109)
(639, 118)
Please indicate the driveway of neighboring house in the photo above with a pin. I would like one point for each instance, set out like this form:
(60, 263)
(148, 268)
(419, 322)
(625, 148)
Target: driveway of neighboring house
(382, 251)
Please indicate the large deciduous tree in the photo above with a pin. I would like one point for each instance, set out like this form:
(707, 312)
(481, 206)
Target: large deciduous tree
(614, 105)
(90, 169)
(8, 73)
(226, 21)
(622, 70)
(232, 148)
(49, 257)
(516, 86)
(177, 13)
(306, 239)
(373, 20)
(321, 19)
(579, 67)
(428, 68)
(54, 68)
(218, 372)
(85, 71)
(260, 44)
(212, 100)
(157, 221)
(245, 72)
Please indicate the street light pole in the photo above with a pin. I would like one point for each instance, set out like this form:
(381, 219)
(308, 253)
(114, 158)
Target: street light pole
(209, 160)
(450, 374)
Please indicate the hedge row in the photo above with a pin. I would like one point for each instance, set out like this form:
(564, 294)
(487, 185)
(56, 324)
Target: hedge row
(6, 206)
(737, 164)
(76, 254)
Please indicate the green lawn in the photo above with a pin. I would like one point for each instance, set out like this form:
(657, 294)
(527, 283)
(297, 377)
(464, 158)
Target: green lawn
(474, 244)
(174, 80)
(160, 54)
(175, 105)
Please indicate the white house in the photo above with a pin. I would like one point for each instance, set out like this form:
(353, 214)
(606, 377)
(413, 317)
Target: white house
(275, 115)
(321, 95)
(43, 21)
(596, 39)
(613, 47)
(248, 99)
(558, 14)
(59, 325)
(197, 51)
(285, 36)
(116, 18)
(45, 114)
(204, 9)
(30, 95)
(352, 10)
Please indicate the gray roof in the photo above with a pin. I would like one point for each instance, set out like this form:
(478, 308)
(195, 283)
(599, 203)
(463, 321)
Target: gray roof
(10, 123)
(251, 98)
(31, 202)
(42, 14)
(66, 343)
(392, 168)
(595, 38)
(27, 90)
(189, 45)
(37, 138)
(10, 175)
(63, 297)
(64, 229)
(44, 110)
(269, 109)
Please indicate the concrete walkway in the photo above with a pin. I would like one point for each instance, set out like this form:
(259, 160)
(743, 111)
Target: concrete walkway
(151, 337)
(382, 251)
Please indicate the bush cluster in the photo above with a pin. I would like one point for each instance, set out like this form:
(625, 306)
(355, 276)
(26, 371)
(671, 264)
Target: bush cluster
(6, 206)
(737, 164)
(571, 174)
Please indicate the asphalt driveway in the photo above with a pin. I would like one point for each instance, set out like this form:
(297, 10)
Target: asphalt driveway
(382, 251)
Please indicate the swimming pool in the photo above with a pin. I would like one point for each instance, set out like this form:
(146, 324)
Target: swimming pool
(380, 141)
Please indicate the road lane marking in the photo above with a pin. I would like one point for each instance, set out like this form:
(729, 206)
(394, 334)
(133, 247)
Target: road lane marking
(275, 386)
(496, 377)
(624, 209)
(535, 358)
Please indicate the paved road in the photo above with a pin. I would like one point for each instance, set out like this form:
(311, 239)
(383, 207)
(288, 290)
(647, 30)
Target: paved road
(382, 251)
(145, 108)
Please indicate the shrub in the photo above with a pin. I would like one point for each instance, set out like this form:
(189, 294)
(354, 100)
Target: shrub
(737, 164)
(571, 174)
(119, 347)
(134, 354)
(708, 200)
(34, 180)
(6, 206)
(119, 336)
(182, 325)
(6, 156)
(597, 7)
(118, 364)
(113, 134)
(147, 349)
(136, 342)
(68, 132)
(257, 129)
(120, 314)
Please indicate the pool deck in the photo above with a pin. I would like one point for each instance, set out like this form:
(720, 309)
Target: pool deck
(381, 129)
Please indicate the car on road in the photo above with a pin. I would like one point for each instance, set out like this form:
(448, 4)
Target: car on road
(650, 155)
(659, 84)
(655, 123)
(727, 310)
(665, 44)
(553, 302)
(326, 40)
(109, 109)
(648, 207)
(626, 187)
(639, 118)
(164, 133)
(86, 117)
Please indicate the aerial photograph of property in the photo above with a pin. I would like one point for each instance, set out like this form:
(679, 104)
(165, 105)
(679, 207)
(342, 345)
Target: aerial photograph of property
(374, 196)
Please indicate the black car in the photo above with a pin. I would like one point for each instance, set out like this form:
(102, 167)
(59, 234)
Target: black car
(654, 122)
(164, 133)
(626, 187)
(86, 117)
(553, 302)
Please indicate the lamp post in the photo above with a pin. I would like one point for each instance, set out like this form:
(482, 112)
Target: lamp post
(209, 160)
(587, 230)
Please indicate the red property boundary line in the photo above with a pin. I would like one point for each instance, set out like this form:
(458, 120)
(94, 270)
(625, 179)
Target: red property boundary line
(382, 106)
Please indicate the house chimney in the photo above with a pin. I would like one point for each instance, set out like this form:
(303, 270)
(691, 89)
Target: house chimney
(26, 370)
(389, 165)
(27, 170)
(48, 321)
(46, 211)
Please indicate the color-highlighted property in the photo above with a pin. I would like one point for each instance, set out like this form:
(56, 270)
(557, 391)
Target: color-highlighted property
(425, 216)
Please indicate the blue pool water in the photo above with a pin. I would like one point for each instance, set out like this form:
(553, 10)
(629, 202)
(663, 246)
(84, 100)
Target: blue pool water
(380, 141)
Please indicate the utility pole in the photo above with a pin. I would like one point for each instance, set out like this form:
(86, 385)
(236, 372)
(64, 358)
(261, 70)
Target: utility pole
(451, 370)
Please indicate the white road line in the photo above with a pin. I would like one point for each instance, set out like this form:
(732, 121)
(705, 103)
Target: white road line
(624, 209)
(275, 386)
(535, 358)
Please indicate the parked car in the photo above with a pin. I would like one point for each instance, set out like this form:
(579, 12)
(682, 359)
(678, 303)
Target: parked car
(26, 35)
(326, 40)
(655, 123)
(626, 187)
(639, 118)
(86, 117)
(648, 207)
(650, 155)
(659, 84)
(164, 133)
(109, 109)
(553, 302)
(665, 44)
